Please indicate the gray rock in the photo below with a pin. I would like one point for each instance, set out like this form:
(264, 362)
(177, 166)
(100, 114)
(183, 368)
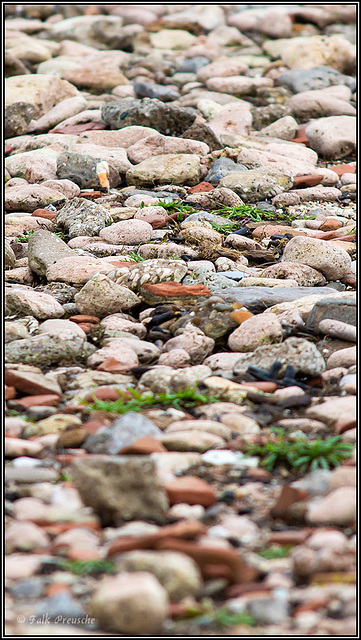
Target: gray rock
(257, 299)
(62, 604)
(300, 353)
(212, 218)
(121, 488)
(192, 65)
(27, 302)
(150, 272)
(330, 308)
(148, 112)
(269, 611)
(264, 116)
(158, 91)
(17, 118)
(46, 350)
(80, 217)
(30, 589)
(221, 168)
(122, 433)
(202, 131)
(81, 169)
(319, 77)
(45, 248)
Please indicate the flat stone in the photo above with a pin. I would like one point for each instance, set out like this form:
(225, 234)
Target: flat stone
(172, 292)
(257, 299)
(342, 309)
(125, 431)
(32, 303)
(31, 383)
(45, 350)
(332, 409)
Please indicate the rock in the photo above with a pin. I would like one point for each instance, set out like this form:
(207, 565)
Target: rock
(75, 269)
(333, 262)
(15, 331)
(25, 536)
(178, 169)
(132, 603)
(256, 184)
(168, 119)
(29, 302)
(320, 77)
(210, 426)
(127, 232)
(120, 434)
(45, 248)
(284, 128)
(42, 93)
(45, 350)
(221, 168)
(31, 383)
(54, 327)
(190, 490)
(256, 331)
(232, 118)
(29, 197)
(80, 217)
(34, 165)
(342, 308)
(191, 440)
(338, 329)
(81, 168)
(64, 109)
(301, 53)
(238, 85)
(157, 144)
(176, 572)
(102, 297)
(194, 342)
(337, 508)
(120, 488)
(300, 353)
(68, 188)
(213, 281)
(257, 299)
(331, 410)
(92, 30)
(304, 275)
(331, 101)
(334, 136)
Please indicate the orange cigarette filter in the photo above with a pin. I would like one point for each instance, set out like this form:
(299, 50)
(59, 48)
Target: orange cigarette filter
(102, 170)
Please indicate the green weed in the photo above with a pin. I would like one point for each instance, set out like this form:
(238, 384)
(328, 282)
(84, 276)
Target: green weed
(133, 257)
(206, 615)
(132, 400)
(275, 551)
(88, 567)
(300, 454)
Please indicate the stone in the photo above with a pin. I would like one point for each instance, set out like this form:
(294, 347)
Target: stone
(257, 299)
(75, 269)
(337, 508)
(333, 137)
(10, 259)
(256, 184)
(333, 261)
(284, 128)
(176, 572)
(42, 92)
(91, 30)
(16, 447)
(29, 197)
(332, 409)
(45, 248)
(122, 433)
(31, 383)
(342, 358)
(34, 303)
(194, 342)
(157, 144)
(127, 232)
(120, 488)
(25, 536)
(301, 53)
(304, 275)
(34, 165)
(255, 332)
(133, 603)
(318, 77)
(213, 281)
(342, 309)
(338, 329)
(300, 353)
(102, 297)
(190, 490)
(331, 101)
(191, 440)
(15, 331)
(178, 169)
(64, 109)
(81, 217)
(46, 350)
(166, 118)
